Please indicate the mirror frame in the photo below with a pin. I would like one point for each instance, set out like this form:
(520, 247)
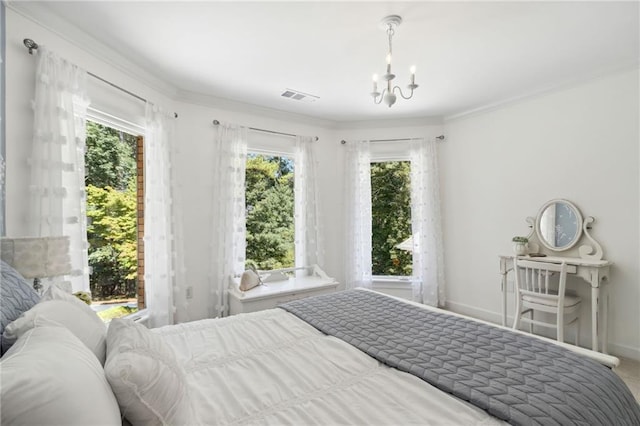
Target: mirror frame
(576, 238)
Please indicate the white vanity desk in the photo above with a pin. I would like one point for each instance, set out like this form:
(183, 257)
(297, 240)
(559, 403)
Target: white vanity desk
(559, 227)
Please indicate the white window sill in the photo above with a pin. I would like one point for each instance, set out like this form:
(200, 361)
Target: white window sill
(141, 317)
(392, 282)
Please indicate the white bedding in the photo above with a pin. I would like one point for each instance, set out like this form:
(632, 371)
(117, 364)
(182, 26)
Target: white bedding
(270, 367)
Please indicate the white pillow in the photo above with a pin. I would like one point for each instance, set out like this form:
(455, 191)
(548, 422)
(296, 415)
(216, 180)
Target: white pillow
(50, 378)
(78, 317)
(144, 375)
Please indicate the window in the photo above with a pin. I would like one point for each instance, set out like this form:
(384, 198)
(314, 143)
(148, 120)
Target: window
(114, 182)
(391, 218)
(269, 211)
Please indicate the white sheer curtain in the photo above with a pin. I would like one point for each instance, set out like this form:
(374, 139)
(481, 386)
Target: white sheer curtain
(2, 192)
(358, 220)
(159, 253)
(308, 247)
(57, 192)
(426, 225)
(228, 239)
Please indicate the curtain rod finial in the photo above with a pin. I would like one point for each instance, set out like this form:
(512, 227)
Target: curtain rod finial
(440, 138)
(30, 44)
(343, 142)
(216, 122)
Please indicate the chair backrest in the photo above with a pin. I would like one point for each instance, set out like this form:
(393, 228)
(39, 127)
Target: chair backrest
(534, 277)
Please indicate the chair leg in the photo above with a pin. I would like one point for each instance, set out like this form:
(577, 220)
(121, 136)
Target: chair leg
(560, 328)
(578, 331)
(516, 321)
(517, 313)
(531, 323)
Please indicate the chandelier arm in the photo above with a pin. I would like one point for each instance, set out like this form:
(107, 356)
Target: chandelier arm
(381, 96)
(402, 94)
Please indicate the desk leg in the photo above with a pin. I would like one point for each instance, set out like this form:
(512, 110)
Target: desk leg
(604, 316)
(595, 296)
(503, 287)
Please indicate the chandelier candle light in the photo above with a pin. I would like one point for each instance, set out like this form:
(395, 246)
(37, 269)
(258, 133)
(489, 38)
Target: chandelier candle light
(391, 22)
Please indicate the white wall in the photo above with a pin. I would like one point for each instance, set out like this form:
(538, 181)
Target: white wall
(499, 167)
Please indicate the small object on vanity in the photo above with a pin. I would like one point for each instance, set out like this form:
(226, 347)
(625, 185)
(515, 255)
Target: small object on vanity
(537, 255)
(520, 245)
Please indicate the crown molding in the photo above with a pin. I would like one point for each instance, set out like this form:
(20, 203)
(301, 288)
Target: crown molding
(390, 123)
(237, 106)
(548, 90)
(37, 13)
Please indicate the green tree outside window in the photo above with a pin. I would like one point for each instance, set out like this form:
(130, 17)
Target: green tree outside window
(269, 199)
(110, 179)
(390, 217)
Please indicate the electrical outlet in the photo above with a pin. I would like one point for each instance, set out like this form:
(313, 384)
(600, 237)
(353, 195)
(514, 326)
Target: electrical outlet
(189, 293)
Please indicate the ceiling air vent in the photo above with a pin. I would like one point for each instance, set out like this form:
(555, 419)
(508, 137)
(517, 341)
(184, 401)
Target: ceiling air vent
(299, 96)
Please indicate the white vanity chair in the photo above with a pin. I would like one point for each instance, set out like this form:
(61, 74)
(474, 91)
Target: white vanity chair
(560, 233)
(535, 293)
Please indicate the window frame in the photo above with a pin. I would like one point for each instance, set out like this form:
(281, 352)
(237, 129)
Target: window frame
(140, 287)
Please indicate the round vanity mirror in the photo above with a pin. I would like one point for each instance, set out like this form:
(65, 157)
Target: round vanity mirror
(559, 225)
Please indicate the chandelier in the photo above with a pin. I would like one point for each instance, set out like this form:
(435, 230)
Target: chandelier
(388, 95)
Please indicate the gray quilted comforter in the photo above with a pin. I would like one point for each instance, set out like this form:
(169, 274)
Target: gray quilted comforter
(514, 377)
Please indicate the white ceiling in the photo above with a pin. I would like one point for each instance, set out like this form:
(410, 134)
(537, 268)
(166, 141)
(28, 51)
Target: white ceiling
(468, 54)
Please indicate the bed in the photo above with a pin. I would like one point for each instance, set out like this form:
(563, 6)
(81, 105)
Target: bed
(356, 357)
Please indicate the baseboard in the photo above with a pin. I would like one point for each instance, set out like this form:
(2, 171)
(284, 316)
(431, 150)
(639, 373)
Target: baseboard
(615, 349)
(624, 351)
(474, 312)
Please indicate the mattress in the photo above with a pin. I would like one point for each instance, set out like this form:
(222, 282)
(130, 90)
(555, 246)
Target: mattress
(270, 367)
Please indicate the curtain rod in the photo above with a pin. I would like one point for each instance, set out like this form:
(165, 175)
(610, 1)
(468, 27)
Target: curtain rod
(216, 122)
(32, 45)
(440, 138)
